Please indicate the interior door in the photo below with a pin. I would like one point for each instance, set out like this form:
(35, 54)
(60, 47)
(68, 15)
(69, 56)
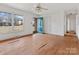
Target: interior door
(40, 25)
(35, 25)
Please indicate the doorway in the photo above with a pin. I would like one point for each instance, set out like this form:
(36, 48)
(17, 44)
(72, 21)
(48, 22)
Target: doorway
(70, 25)
(38, 25)
(35, 25)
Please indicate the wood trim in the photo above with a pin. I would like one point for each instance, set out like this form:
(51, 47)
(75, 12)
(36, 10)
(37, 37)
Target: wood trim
(16, 37)
(35, 25)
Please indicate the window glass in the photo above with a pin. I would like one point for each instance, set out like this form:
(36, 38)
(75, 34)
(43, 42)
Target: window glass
(18, 22)
(5, 22)
(5, 19)
(10, 22)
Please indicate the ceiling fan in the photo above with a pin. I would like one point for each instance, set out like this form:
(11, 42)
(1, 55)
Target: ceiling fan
(39, 8)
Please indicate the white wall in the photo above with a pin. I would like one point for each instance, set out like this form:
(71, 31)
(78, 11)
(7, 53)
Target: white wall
(47, 24)
(54, 23)
(77, 25)
(27, 22)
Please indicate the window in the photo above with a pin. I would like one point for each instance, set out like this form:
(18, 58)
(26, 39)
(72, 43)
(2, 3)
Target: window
(10, 22)
(18, 23)
(5, 19)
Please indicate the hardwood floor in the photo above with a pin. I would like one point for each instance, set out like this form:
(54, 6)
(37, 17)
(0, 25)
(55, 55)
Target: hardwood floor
(41, 44)
(20, 46)
(56, 45)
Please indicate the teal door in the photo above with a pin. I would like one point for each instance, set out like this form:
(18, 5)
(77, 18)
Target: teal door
(40, 25)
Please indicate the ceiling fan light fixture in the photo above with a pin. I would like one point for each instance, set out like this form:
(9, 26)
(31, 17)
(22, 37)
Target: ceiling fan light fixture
(39, 9)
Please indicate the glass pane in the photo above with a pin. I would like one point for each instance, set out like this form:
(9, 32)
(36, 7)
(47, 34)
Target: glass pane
(40, 25)
(5, 22)
(18, 23)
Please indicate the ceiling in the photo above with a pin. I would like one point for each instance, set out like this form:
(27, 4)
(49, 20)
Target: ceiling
(52, 7)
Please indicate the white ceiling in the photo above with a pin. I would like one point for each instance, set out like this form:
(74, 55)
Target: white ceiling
(52, 7)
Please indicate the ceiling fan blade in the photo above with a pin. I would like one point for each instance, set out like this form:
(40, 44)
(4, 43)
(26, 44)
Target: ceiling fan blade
(40, 7)
(44, 8)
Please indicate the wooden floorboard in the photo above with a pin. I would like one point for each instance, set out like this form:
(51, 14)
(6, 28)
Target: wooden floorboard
(56, 45)
(20, 46)
(41, 44)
